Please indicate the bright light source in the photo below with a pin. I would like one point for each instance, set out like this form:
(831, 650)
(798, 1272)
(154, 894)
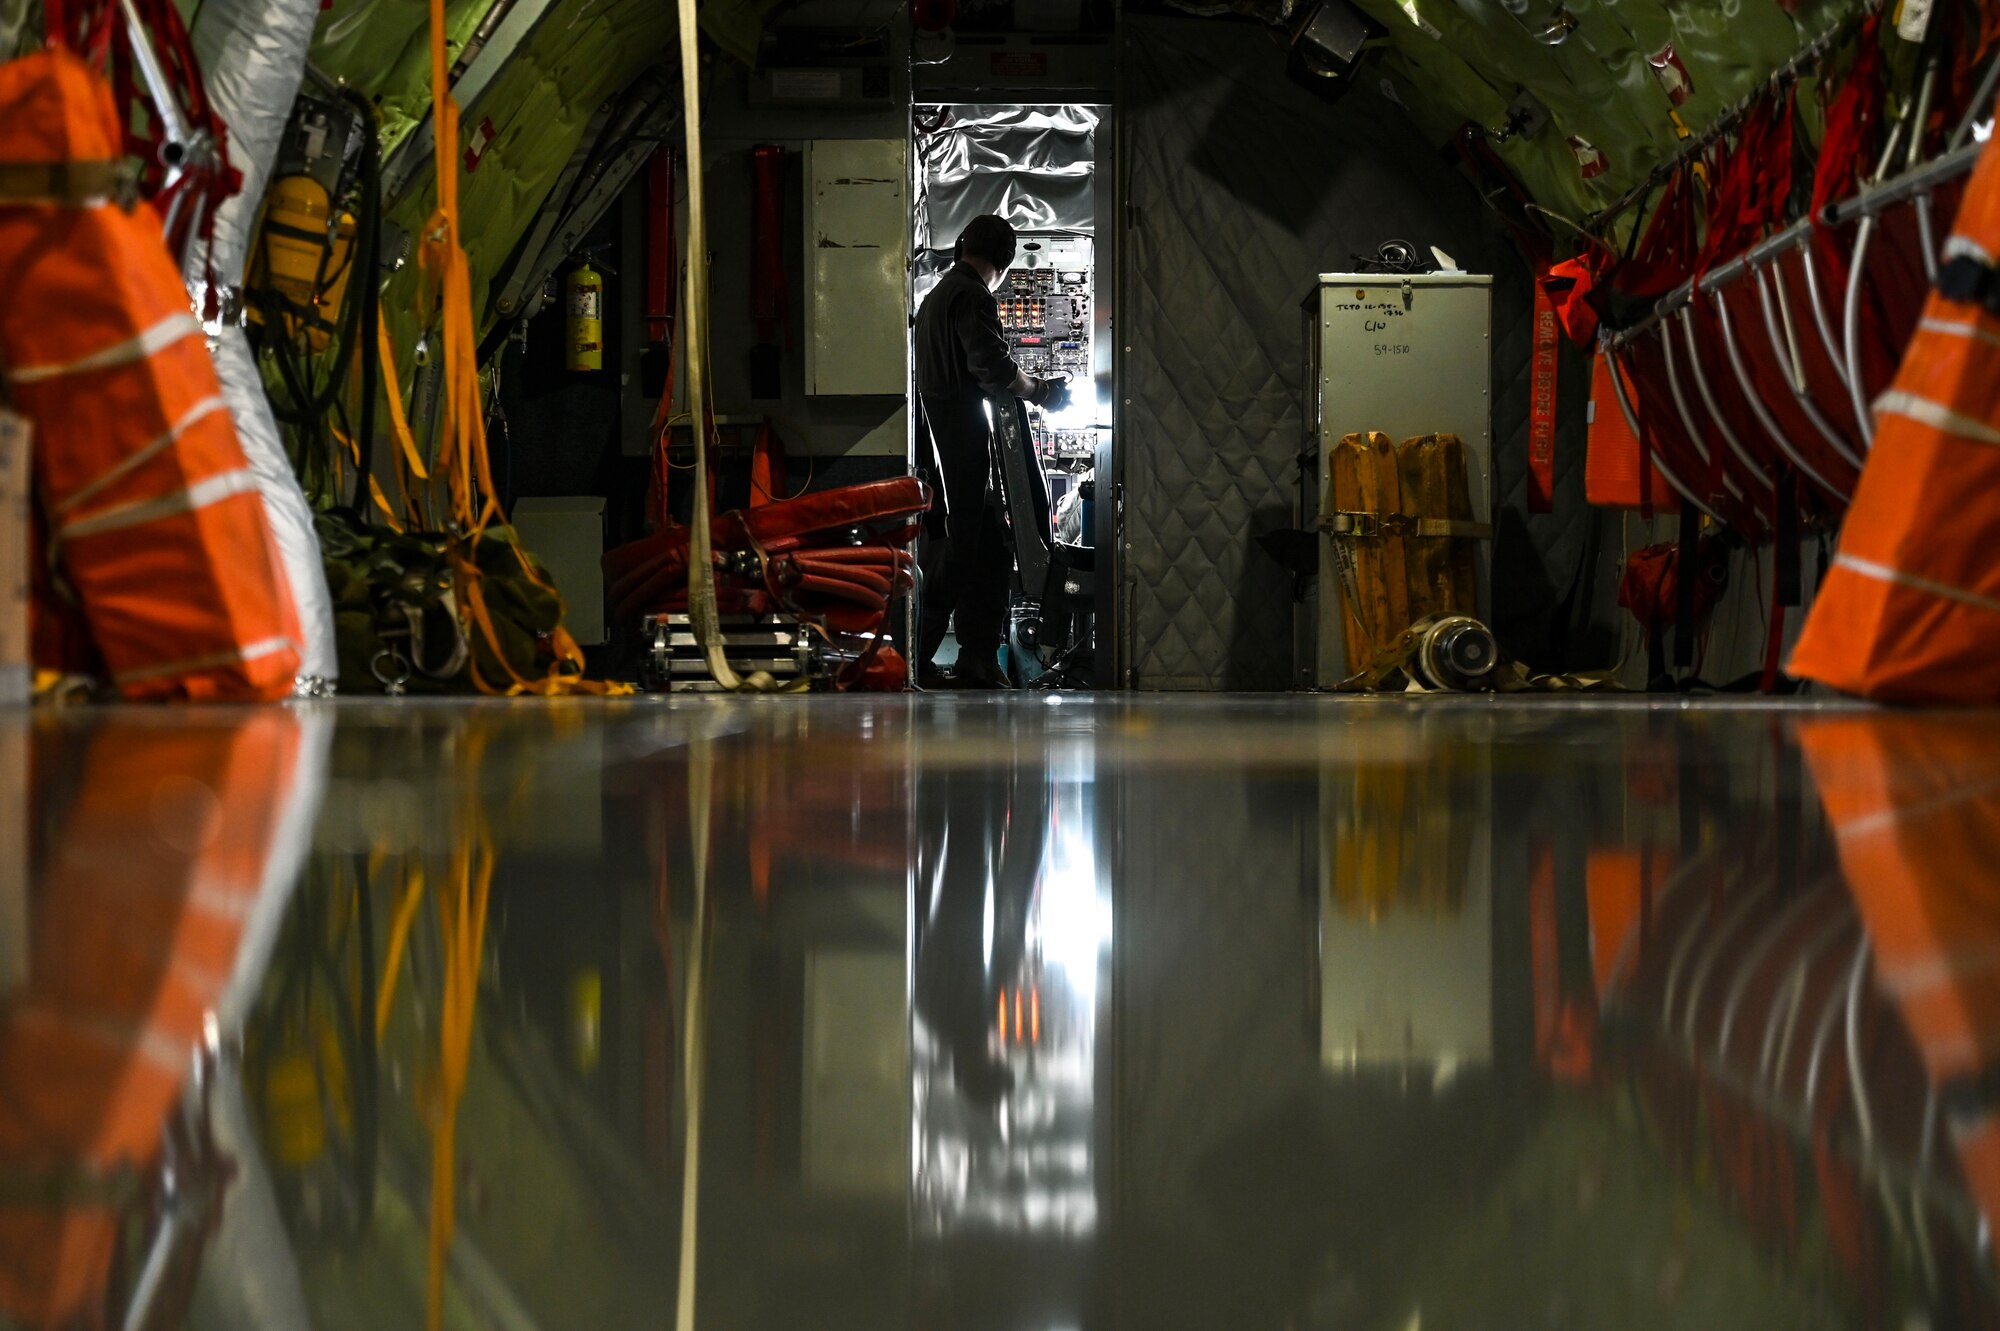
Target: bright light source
(1085, 409)
(1074, 922)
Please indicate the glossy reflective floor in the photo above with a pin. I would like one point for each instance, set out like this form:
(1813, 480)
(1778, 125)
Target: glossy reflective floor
(1032, 1013)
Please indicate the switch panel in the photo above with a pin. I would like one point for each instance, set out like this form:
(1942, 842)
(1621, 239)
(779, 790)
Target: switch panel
(1045, 313)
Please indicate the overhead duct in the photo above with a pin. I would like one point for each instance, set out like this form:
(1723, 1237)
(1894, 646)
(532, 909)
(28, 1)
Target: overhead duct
(252, 55)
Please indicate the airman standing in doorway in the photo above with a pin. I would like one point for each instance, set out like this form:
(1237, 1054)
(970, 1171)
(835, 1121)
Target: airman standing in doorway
(963, 373)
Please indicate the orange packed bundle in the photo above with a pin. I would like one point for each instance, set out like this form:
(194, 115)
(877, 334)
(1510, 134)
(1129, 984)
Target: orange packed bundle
(1911, 609)
(154, 517)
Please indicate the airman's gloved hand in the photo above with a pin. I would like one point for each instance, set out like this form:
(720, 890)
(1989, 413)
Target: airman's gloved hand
(1054, 395)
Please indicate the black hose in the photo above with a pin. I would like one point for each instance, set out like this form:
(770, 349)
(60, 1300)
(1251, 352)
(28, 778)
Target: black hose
(290, 372)
(368, 239)
(311, 410)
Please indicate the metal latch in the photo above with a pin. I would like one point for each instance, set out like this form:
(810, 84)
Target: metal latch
(1409, 293)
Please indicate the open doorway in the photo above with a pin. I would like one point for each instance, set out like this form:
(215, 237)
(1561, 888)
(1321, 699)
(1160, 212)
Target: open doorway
(1036, 166)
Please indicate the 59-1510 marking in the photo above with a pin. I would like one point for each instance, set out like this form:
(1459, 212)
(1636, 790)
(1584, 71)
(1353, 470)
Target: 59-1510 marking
(1392, 348)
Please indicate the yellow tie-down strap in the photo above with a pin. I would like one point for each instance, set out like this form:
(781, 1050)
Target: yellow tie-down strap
(69, 184)
(1347, 523)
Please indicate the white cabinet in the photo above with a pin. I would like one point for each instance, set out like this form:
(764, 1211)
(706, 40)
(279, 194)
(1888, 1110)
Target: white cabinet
(1404, 355)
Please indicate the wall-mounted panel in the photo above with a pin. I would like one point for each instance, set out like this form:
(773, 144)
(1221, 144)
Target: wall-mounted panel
(857, 263)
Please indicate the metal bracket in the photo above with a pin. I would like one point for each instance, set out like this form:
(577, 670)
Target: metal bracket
(1350, 523)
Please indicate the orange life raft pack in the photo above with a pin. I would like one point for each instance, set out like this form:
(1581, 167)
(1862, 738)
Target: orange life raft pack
(1910, 611)
(151, 508)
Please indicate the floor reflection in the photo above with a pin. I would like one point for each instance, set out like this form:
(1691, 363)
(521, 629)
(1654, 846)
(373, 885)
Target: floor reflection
(1033, 1014)
(1013, 920)
(1012, 925)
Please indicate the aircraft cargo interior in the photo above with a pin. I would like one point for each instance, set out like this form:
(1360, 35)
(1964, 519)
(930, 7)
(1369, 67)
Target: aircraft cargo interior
(999, 665)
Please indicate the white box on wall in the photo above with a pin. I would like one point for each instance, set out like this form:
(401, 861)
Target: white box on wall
(857, 224)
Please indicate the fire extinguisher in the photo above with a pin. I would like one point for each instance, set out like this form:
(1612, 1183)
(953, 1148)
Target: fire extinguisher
(583, 318)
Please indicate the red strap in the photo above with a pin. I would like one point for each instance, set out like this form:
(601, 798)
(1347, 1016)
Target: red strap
(767, 244)
(56, 19)
(84, 26)
(662, 256)
(1772, 190)
(1737, 212)
(1851, 120)
(767, 468)
(1978, 47)
(1666, 249)
(1645, 436)
(869, 578)
(1542, 388)
(1569, 284)
(856, 554)
(1720, 202)
(858, 593)
(1774, 646)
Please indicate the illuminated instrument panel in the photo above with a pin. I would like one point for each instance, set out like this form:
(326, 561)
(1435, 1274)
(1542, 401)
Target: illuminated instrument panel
(1045, 311)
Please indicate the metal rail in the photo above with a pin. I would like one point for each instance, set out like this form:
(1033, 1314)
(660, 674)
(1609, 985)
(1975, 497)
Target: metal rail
(1746, 969)
(1857, 268)
(184, 148)
(1772, 429)
(1868, 202)
(1784, 335)
(1659, 460)
(1701, 446)
(1836, 354)
(1713, 406)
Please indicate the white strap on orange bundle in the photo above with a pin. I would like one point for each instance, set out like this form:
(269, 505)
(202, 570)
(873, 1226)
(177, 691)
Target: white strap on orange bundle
(253, 651)
(200, 495)
(145, 453)
(135, 348)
